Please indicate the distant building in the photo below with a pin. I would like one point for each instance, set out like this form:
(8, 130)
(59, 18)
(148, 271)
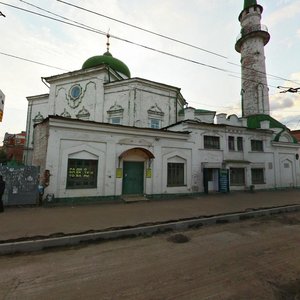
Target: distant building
(13, 145)
(296, 134)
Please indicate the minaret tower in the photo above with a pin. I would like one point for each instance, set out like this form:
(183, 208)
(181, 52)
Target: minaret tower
(250, 43)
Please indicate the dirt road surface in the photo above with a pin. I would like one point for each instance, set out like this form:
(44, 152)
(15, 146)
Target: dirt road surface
(254, 259)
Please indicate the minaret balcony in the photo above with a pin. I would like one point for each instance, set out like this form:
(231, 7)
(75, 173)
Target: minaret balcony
(254, 30)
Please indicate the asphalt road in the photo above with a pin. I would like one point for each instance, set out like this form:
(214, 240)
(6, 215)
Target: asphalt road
(254, 259)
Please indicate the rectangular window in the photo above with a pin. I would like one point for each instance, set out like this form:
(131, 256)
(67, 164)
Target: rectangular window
(237, 176)
(211, 142)
(82, 173)
(115, 120)
(154, 123)
(239, 143)
(175, 174)
(257, 145)
(257, 176)
(231, 143)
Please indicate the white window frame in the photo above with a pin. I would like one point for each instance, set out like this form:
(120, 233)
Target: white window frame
(154, 123)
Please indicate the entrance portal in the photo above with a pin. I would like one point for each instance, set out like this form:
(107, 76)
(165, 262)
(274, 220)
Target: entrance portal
(133, 178)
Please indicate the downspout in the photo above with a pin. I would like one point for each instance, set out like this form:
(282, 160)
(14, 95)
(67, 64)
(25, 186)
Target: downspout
(176, 107)
(29, 115)
(108, 72)
(44, 82)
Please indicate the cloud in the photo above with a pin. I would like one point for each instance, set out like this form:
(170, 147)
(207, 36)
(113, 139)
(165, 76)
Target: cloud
(282, 102)
(283, 13)
(286, 106)
(296, 76)
(291, 121)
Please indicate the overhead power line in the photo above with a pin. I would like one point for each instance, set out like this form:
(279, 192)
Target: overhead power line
(118, 38)
(161, 35)
(94, 30)
(54, 19)
(142, 29)
(33, 61)
(264, 73)
(57, 15)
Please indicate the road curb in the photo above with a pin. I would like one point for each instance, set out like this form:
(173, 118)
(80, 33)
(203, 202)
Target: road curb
(143, 230)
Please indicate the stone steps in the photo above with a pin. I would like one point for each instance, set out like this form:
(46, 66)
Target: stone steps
(134, 198)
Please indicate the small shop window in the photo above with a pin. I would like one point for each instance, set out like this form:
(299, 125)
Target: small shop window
(237, 176)
(82, 173)
(257, 175)
(175, 174)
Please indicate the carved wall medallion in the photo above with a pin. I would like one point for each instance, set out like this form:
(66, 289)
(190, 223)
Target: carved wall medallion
(38, 118)
(75, 95)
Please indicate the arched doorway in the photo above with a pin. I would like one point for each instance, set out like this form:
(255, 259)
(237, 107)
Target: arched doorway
(135, 161)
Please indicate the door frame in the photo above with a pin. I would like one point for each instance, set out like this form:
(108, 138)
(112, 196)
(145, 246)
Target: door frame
(142, 163)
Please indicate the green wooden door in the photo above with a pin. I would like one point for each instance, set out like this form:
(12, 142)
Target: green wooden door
(133, 177)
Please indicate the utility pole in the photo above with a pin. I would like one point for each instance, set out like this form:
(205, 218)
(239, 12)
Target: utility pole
(2, 15)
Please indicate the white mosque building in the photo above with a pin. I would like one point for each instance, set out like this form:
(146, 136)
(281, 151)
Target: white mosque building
(102, 134)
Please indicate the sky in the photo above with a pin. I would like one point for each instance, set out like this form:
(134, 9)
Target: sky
(211, 25)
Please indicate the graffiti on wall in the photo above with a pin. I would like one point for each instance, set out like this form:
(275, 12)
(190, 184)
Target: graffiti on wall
(21, 185)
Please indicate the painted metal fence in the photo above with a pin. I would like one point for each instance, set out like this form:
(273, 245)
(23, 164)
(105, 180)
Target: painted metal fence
(21, 185)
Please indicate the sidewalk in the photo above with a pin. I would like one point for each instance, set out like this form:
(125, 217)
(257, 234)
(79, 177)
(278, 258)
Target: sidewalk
(29, 222)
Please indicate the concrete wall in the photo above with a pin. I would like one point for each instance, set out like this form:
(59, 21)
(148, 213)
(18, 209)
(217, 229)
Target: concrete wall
(141, 100)
(41, 135)
(21, 185)
(281, 167)
(107, 143)
(93, 141)
(37, 109)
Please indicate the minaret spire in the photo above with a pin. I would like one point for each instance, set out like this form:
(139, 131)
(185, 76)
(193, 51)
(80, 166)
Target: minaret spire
(250, 43)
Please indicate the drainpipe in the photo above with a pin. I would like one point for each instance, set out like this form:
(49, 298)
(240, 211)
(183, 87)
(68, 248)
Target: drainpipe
(176, 106)
(108, 72)
(44, 82)
(29, 117)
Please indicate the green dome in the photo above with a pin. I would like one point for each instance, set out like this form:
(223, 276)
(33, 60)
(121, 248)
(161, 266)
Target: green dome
(107, 59)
